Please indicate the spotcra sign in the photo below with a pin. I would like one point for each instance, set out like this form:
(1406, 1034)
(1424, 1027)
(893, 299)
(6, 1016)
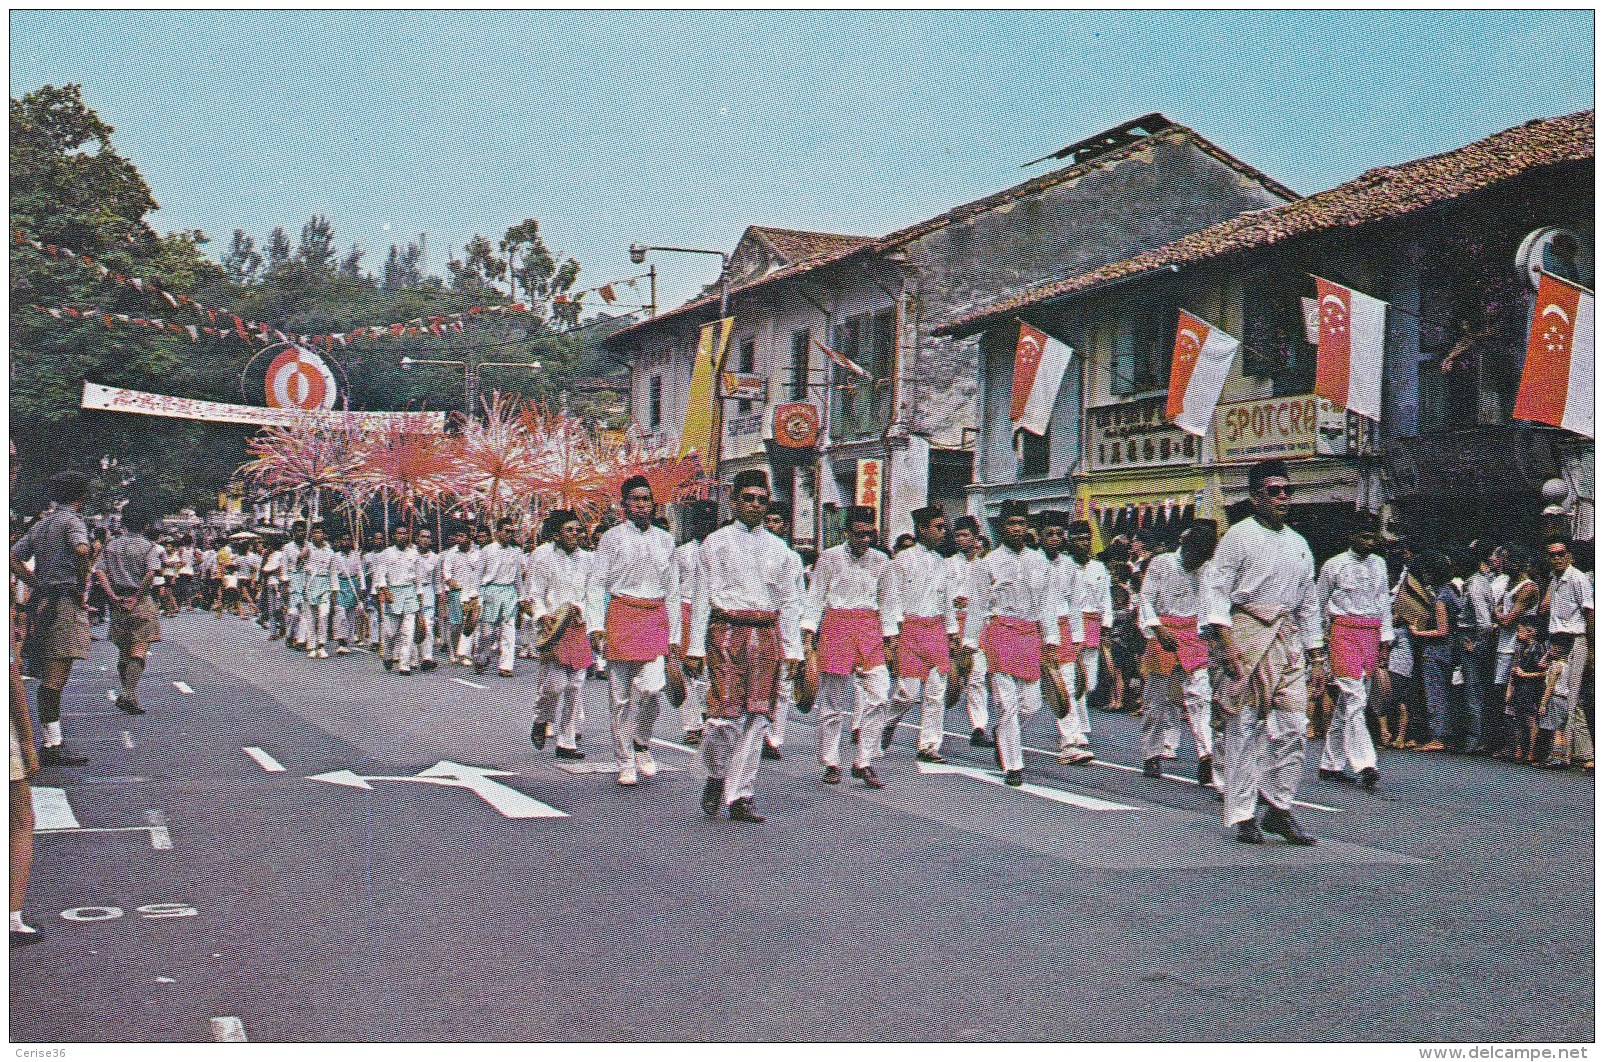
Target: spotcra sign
(1293, 426)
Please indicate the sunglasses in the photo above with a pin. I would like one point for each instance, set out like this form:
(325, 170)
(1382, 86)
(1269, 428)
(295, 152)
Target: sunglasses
(1278, 491)
(753, 499)
(866, 532)
(1559, 552)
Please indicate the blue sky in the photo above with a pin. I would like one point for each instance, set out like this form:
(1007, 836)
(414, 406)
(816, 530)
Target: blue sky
(683, 128)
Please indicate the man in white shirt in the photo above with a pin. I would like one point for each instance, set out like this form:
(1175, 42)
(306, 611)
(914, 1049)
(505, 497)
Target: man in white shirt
(851, 622)
(317, 563)
(1478, 632)
(975, 691)
(1074, 735)
(1175, 667)
(1264, 613)
(270, 612)
(371, 606)
(395, 583)
(471, 573)
(1569, 604)
(452, 559)
(428, 597)
(501, 565)
(348, 591)
(700, 519)
(1095, 603)
(1357, 603)
(926, 593)
(1012, 617)
(745, 615)
(297, 625)
(778, 522)
(633, 616)
(558, 578)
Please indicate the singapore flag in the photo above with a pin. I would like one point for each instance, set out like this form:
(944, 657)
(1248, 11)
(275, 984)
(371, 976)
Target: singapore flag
(1556, 387)
(1039, 364)
(1198, 369)
(1353, 334)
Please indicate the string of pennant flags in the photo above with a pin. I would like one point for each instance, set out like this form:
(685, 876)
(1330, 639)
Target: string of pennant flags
(223, 324)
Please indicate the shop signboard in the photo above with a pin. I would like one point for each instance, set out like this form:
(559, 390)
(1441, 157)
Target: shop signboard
(871, 478)
(1136, 435)
(1287, 427)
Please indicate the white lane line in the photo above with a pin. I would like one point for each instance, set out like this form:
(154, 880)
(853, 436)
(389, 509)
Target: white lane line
(160, 839)
(1129, 769)
(228, 1031)
(128, 739)
(675, 745)
(1086, 803)
(93, 715)
(465, 682)
(266, 762)
(51, 811)
(182, 687)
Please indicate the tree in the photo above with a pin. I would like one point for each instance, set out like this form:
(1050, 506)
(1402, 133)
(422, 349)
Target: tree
(479, 269)
(240, 261)
(278, 249)
(401, 269)
(316, 252)
(351, 264)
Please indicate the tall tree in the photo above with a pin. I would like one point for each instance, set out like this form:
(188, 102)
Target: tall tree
(479, 268)
(277, 248)
(316, 251)
(401, 269)
(241, 261)
(351, 264)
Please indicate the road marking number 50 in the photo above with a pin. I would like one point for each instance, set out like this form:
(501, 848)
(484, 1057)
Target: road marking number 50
(150, 910)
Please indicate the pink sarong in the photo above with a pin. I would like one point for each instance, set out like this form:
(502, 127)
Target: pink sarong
(1013, 647)
(573, 648)
(1094, 631)
(1355, 646)
(922, 647)
(1066, 638)
(637, 628)
(850, 640)
(1191, 652)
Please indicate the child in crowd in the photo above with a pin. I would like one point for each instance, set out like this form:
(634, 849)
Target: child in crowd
(1527, 677)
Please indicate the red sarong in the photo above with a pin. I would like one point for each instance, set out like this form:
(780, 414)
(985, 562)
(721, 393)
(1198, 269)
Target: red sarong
(1013, 647)
(573, 648)
(922, 647)
(1190, 652)
(637, 628)
(1094, 631)
(850, 640)
(1355, 646)
(1066, 638)
(743, 665)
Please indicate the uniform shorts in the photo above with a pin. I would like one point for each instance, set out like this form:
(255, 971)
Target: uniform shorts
(134, 626)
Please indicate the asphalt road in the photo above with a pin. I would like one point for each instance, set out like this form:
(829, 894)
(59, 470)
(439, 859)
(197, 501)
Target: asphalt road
(195, 890)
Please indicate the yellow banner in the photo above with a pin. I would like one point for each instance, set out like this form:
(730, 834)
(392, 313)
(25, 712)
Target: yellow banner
(697, 435)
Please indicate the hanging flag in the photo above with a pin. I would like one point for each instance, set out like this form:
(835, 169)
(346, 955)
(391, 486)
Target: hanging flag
(1039, 364)
(697, 435)
(1353, 334)
(1556, 386)
(842, 360)
(608, 295)
(1198, 369)
(1311, 318)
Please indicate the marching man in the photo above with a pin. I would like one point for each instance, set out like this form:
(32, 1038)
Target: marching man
(297, 621)
(317, 563)
(1095, 603)
(501, 568)
(1175, 667)
(634, 616)
(558, 575)
(926, 590)
(1357, 603)
(1074, 745)
(428, 596)
(778, 522)
(1265, 616)
(976, 695)
(453, 561)
(395, 586)
(348, 590)
(744, 620)
(851, 621)
(700, 518)
(1012, 618)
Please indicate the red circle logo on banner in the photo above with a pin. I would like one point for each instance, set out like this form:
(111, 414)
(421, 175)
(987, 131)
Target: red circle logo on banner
(299, 379)
(796, 425)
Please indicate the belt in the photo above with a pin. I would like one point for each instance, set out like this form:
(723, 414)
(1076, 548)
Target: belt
(745, 619)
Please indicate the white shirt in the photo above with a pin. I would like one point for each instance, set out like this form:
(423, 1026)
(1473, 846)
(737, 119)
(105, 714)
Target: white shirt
(687, 557)
(1095, 592)
(1017, 585)
(1506, 603)
(454, 565)
(295, 557)
(844, 581)
(1569, 594)
(1066, 592)
(350, 566)
(926, 585)
(428, 571)
(502, 565)
(273, 566)
(1349, 586)
(556, 578)
(253, 564)
(1168, 589)
(1481, 596)
(741, 569)
(396, 567)
(318, 560)
(1269, 571)
(637, 564)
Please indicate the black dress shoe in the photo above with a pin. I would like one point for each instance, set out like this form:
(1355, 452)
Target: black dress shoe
(1278, 821)
(1205, 770)
(1153, 767)
(979, 739)
(389, 664)
(428, 665)
(870, 779)
(537, 734)
(770, 752)
(129, 705)
(480, 669)
(855, 735)
(743, 811)
(713, 798)
(59, 756)
(924, 756)
(1332, 776)
(1014, 777)
(832, 776)
(1368, 778)
(693, 738)
(887, 735)
(569, 754)
(858, 772)
(1248, 832)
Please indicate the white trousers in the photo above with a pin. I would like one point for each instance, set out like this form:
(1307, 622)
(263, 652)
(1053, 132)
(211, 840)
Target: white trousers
(1348, 745)
(784, 700)
(1014, 699)
(732, 750)
(345, 623)
(557, 701)
(977, 694)
(930, 694)
(503, 636)
(871, 690)
(426, 617)
(1263, 755)
(695, 702)
(313, 629)
(635, 692)
(1089, 660)
(1162, 711)
(1074, 728)
(398, 635)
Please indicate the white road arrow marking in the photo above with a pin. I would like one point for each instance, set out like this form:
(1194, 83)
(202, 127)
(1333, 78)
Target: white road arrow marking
(1072, 799)
(263, 760)
(51, 810)
(182, 687)
(510, 802)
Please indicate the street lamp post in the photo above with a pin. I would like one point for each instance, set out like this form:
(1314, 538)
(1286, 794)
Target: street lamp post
(470, 373)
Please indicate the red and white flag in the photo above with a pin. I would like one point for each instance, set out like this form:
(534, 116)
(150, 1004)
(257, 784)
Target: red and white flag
(1198, 369)
(1353, 334)
(1039, 364)
(842, 360)
(1556, 387)
(608, 295)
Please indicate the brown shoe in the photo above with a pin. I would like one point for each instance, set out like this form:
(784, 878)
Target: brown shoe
(742, 811)
(1432, 746)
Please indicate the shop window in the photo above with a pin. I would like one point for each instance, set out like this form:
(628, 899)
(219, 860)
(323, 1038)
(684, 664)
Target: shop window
(746, 364)
(861, 407)
(1034, 455)
(654, 404)
(797, 380)
(1141, 342)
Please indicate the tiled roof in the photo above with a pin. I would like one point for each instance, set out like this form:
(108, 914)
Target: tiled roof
(1376, 195)
(844, 247)
(791, 245)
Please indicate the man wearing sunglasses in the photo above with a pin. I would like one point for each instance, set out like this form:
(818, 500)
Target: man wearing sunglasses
(1264, 616)
(745, 613)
